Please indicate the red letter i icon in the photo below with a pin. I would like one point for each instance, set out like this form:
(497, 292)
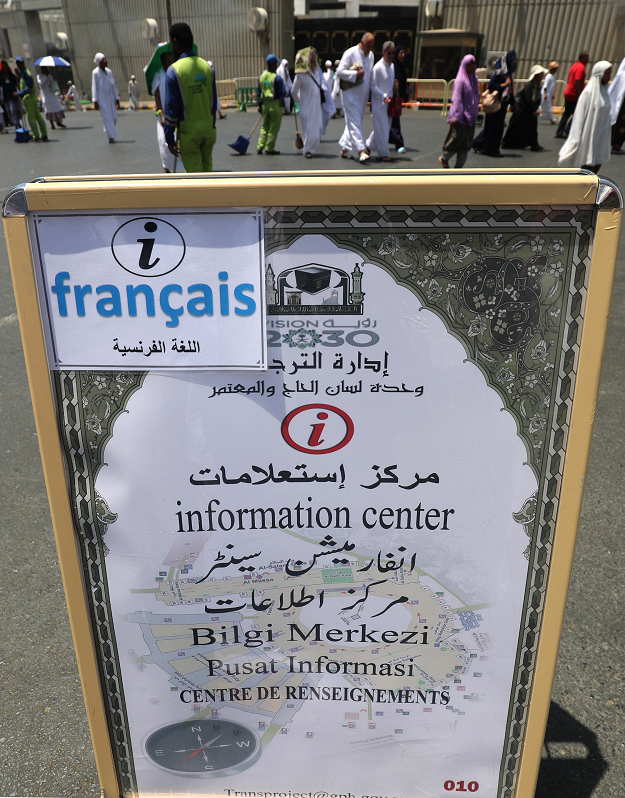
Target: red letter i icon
(317, 430)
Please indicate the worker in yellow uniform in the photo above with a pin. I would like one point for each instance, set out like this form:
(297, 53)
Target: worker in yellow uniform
(28, 94)
(191, 104)
(271, 90)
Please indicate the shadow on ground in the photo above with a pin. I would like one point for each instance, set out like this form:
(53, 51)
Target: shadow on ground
(572, 764)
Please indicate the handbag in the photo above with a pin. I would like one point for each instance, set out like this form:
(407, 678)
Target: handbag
(491, 102)
(346, 84)
(394, 108)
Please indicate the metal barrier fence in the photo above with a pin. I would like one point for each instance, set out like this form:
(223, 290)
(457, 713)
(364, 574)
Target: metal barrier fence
(427, 92)
(246, 92)
(226, 91)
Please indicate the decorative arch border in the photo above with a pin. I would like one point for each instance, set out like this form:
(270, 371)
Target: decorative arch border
(386, 236)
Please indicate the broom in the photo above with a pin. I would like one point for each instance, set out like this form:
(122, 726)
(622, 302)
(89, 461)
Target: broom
(299, 141)
(242, 143)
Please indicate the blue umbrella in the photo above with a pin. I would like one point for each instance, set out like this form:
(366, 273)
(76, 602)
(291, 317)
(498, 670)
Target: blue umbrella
(51, 61)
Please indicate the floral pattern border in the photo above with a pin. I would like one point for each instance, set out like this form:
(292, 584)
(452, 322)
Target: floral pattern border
(541, 227)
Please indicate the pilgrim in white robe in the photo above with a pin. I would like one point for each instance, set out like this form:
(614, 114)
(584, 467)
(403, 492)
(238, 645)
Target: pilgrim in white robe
(306, 93)
(133, 94)
(382, 82)
(51, 104)
(212, 66)
(337, 94)
(616, 92)
(355, 98)
(546, 93)
(589, 140)
(328, 109)
(283, 72)
(104, 92)
(168, 159)
(74, 95)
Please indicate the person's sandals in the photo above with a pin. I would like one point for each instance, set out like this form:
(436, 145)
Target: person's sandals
(363, 158)
(444, 163)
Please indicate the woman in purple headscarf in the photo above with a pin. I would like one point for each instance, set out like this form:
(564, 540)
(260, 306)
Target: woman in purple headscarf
(465, 103)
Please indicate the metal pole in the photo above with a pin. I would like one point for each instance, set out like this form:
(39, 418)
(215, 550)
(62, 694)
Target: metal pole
(168, 10)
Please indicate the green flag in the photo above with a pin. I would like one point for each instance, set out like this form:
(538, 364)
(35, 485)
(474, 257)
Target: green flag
(155, 62)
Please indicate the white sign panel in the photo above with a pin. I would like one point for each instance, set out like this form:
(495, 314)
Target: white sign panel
(325, 580)
(181, 290)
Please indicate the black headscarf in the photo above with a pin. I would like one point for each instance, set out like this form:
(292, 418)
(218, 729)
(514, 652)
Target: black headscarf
(511, 61)
(401, 73)
(504, 68)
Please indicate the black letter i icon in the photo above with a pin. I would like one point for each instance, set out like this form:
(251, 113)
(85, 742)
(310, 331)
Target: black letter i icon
(148, 246)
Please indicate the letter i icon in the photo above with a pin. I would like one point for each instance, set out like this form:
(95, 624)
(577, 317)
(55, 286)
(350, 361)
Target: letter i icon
(317, 431)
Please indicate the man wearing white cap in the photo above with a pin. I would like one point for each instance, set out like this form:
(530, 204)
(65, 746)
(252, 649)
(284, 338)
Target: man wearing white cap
(105, 95)
(133, 93)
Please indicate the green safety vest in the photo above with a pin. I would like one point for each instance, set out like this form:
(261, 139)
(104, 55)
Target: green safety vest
(267, 79)
(23, 85)
(195, 78)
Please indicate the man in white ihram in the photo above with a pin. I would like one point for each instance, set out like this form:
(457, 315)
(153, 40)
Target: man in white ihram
(355, 72)
(105, 95)
(382, 85)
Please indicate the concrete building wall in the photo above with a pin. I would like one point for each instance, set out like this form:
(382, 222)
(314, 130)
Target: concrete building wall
(14, 33)
(220, 29)
(544, 30)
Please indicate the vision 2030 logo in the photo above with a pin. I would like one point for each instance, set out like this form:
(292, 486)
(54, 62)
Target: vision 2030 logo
(149, 248)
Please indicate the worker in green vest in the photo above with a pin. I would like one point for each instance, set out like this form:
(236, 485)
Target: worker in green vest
(271, 90)
(28, 93)
(191, 104)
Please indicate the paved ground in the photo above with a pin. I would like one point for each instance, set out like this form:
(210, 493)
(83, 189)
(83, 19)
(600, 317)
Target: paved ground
(44, 740)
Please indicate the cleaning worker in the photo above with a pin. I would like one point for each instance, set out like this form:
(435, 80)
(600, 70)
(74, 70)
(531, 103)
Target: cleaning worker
(28, 93)
(191, 103)
(271, 90)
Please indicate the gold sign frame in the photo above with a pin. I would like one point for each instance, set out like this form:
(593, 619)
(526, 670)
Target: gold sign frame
(312, 189)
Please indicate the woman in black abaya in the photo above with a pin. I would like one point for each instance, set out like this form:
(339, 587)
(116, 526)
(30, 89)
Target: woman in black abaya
(522, 129)
(502, 82)
(395, 135)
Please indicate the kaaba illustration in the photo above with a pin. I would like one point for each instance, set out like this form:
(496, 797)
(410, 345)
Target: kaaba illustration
(314, 288)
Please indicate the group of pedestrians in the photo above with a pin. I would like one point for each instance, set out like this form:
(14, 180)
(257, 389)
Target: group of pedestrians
(320, 96)
(593, 120)
(19, 99)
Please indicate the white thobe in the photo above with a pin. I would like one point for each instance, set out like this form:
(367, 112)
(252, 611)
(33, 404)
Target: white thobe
(51, 103)
(305, 91)
(283, 72)
(329, 78)
(75, 96)
(382, 81)
(546, 102)
(133, 93)
(212, 66)
(104, 92)
(328, 109)
(337, 94)
(168, 159)
(355, 98)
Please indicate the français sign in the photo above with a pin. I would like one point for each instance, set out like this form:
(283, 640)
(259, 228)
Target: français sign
(126, 291)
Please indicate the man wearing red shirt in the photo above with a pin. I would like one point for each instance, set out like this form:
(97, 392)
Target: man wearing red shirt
(574, 87)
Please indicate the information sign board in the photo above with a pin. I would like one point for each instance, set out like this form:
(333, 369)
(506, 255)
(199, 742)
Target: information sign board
(344, 575)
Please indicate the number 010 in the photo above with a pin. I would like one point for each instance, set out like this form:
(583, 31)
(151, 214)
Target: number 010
(458, 786)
